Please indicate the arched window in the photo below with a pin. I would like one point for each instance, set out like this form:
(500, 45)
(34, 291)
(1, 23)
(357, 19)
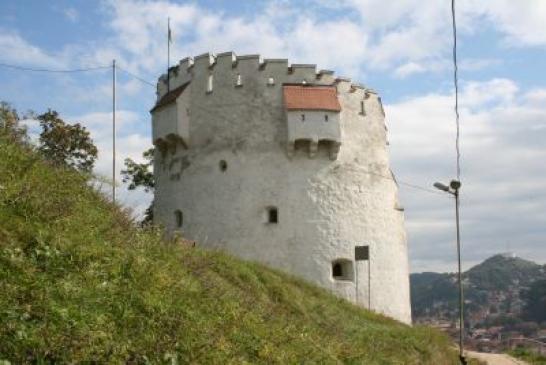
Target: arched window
(270, 81)
(342, 269)
(239, 81)
(362, 108)
(178, 218)
(325, 117)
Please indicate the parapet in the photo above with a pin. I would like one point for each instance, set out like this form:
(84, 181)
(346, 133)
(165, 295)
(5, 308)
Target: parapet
(279, 70)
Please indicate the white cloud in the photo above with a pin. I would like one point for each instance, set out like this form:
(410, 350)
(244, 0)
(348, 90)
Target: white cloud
(503, 199)
(71, 14)
(408, 69)
(18, 51)
(522, 22)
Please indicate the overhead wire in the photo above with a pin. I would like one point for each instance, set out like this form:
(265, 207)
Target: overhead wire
(22, 68)
(135, 76)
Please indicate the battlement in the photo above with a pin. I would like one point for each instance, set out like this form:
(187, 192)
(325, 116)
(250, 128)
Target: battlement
(208, 93)
(273, 70)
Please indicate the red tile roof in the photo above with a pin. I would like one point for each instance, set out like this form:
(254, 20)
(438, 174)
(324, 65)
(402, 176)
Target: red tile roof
(169, 97)
(300, 97)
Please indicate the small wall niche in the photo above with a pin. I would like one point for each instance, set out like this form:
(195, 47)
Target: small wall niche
(178, 218)
(342, 269)
(272, 215)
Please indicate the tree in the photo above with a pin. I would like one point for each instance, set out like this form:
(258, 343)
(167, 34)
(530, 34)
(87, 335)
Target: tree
(65, 144)
(9, 123)
(535, 301)
(140, 175)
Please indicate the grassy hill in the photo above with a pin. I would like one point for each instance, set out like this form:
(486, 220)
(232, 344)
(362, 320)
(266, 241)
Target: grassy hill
(79, 282)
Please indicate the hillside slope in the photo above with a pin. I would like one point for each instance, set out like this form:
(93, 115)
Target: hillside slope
(492, 289)
(78, 282)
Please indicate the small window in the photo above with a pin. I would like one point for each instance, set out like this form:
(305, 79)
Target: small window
(239, 81)
(325, 117)
(223, 165)
(209, 84)
(381, 106)
(342, 269)
(303, 117)
(362, 108)
(270, 81)
(337, 270)
(178, 218)
(272, 215)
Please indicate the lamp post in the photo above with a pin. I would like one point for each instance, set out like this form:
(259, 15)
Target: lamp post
(453, 189)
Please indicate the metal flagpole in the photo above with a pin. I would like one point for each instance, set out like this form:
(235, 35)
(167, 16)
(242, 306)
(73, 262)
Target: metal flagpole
(114, 131)
(168, 53)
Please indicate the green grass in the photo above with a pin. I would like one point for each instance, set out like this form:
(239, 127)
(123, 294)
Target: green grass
(80, 283)
(527, 355)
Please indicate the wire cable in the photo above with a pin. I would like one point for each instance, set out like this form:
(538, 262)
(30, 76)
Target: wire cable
(135, 76)
(456, 83)
(21, 68)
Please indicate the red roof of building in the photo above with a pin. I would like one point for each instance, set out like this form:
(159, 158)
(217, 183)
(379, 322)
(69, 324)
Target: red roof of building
(301, 97)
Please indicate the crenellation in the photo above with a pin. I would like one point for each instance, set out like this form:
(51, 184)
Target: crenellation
(209, 57)
(229, 57)
(302, 73)
(186, 63)
(343, 84)
(325, 77)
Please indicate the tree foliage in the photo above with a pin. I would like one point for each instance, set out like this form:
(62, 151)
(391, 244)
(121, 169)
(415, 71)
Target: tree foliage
(140, 175)
(10, 123)
(66, 144)
(535, 302)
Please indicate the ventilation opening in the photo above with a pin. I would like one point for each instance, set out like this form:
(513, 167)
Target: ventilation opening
(325, 117)
(342, 269)
(223, 165)
(362, 108)
(303, 117)
(239, 81)
(270, 81)
(272, 215)
(178, 218)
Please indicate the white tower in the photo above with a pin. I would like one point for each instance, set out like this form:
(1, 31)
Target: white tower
(286, 166)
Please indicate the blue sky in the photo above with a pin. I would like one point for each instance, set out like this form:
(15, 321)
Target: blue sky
(400, 48)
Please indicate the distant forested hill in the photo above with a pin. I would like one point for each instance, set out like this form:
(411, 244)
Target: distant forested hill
(500, 286)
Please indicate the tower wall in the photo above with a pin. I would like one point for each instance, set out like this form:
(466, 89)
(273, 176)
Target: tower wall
(325, 206)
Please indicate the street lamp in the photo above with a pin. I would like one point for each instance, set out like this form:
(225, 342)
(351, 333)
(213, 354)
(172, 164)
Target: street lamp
(453, 189)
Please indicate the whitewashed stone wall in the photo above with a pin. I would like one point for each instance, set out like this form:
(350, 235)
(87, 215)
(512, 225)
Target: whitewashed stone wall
(326, 206)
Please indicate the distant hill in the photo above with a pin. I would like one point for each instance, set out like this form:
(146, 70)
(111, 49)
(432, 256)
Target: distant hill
(492, 288)
(79, 283)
